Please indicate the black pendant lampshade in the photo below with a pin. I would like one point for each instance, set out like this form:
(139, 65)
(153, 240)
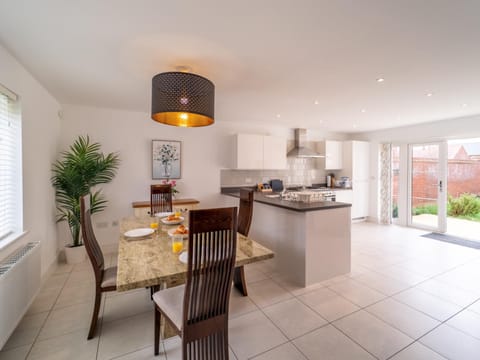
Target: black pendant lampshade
(182, 99)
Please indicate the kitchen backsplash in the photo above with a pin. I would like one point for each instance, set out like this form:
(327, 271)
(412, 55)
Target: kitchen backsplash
(300, 172)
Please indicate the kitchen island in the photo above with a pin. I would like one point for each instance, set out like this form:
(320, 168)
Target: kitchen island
(311, 241)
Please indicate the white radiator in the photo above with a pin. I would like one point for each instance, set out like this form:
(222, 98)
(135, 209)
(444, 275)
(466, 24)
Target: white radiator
(19, 283)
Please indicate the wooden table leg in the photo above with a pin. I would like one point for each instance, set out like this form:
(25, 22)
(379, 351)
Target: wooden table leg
(239, 280)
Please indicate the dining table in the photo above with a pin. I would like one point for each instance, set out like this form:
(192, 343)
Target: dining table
(149, 261)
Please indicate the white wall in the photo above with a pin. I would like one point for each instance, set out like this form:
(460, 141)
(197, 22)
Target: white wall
(458, 128)
(40, 136)
(204, 152)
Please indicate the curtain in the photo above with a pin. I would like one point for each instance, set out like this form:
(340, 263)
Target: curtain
(385, 183)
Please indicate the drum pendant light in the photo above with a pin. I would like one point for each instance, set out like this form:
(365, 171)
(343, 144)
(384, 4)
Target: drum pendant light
(182, 99)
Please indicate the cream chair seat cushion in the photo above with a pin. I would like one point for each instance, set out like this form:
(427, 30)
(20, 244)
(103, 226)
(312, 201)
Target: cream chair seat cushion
(170, 301)
(109, 277)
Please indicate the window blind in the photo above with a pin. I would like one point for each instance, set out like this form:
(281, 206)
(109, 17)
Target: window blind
(10, 167)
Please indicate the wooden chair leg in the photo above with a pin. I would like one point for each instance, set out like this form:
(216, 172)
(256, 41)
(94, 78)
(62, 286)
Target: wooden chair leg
(157, 331)
(96, 309)
(239, 280)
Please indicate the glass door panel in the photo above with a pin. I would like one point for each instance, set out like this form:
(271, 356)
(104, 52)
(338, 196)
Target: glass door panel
(427, 199)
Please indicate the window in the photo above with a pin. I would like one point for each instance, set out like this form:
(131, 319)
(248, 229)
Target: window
(10, 167)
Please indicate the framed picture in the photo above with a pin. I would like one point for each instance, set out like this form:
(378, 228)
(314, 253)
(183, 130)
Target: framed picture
(166, 159)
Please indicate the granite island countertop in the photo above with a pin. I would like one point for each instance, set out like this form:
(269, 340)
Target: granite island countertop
(287, 204)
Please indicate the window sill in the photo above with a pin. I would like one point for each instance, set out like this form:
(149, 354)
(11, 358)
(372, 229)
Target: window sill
(11, 239)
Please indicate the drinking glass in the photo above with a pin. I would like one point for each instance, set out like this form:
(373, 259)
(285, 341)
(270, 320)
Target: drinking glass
(177, 243)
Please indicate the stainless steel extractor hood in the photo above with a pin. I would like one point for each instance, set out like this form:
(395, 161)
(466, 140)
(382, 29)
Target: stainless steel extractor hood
(300, 150)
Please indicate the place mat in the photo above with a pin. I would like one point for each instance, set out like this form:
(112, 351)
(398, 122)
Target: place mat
(453, 240)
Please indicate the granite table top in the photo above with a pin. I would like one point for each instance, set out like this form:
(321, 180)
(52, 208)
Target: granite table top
(149, 261)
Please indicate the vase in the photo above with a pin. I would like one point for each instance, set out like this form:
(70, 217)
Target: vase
(75, 254)
(167, 170)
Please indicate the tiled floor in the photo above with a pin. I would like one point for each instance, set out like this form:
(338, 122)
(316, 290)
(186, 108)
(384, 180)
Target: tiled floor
(407, 298)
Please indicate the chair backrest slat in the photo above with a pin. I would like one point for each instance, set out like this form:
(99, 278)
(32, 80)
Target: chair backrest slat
(245, 212)
(160, 198)
(91, 245)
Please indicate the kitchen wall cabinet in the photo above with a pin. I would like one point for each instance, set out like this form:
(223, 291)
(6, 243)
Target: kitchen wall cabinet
(252, 151)
(333, 151)
(356, 165)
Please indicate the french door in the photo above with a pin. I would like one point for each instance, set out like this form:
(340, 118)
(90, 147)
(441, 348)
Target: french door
(427, 186)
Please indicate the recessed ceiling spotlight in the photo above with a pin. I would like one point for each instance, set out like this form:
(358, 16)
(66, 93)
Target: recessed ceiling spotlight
(429, 94)
(278, 115)
(364, 110)
(316, 102)
(355, 126)
(320, 121)
(464, 105)
(380, 80)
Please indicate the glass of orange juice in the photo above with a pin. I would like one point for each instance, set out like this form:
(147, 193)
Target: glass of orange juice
(154, 226)
(178, 213)
(177, 243)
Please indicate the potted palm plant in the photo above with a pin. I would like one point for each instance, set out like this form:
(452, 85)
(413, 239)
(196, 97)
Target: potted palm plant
(80, 169)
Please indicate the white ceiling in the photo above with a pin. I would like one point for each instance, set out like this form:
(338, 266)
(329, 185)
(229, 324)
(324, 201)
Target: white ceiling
(266, 57)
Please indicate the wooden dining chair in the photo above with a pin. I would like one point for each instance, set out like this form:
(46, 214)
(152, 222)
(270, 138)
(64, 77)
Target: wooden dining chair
(198, 310)
(160, 198)
(105, 278)
(245, 214)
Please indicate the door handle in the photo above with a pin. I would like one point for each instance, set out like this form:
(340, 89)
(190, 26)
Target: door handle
(440, 186)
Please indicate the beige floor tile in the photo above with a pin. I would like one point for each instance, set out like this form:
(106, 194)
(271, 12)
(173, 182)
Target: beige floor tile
(55, 281)
(293, 288)
(44, 301)
(63, 268)
(77, 276)
(79, 294)
(125, 336)
(385, 285)
(448, 292)
(357, 293)
(374, 335)
(475, 307)
(143, 354)
(252, 334)
(19, 353)
(403, 275)
(458, 278)
(328, 304)
(467, 321)
(252, 275)
(294, 318)
(240, 305)
(20, 338)
(267, 292)
(127, 304)
(283, 352)
(417, 351)
(328, 343)
(66, 320)
(429, 304)
(84, 265)
(452, 344)
(403, 317)
(72, 346)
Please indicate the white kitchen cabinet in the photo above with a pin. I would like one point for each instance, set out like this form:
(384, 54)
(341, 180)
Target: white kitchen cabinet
(356, 165)
(252, 151)
(344, 196)
(333, 151)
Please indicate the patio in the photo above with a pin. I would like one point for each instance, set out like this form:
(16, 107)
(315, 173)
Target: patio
(457, 227)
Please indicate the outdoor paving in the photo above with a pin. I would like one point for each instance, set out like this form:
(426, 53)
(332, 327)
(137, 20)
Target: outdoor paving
(455, 227)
